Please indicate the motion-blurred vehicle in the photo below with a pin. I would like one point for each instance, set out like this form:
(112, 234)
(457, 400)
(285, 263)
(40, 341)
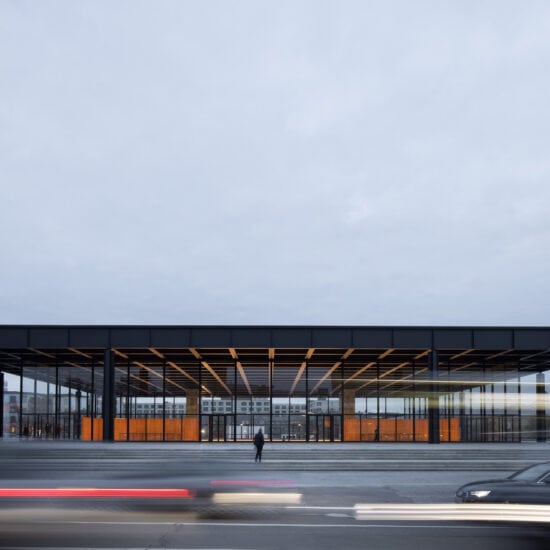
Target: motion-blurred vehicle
(528, 486)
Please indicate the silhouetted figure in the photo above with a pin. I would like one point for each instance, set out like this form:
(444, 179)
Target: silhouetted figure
(259, 444)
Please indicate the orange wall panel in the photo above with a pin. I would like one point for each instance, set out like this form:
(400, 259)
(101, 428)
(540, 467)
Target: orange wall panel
(190, 429)
(187, 429)
(387, 429)
(404, 428)
(455, 429)
(352, 427)
(368, 429)
(359, 429)
(86, 430)
(449, 429)
(421, 429)
(398, 429)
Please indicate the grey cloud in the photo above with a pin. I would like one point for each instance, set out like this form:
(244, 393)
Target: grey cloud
(291, 163)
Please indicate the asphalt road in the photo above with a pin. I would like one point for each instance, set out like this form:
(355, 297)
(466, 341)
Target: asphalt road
(278, 529)
(323, 518)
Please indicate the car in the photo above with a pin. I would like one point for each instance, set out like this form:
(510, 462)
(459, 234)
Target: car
(528, 486)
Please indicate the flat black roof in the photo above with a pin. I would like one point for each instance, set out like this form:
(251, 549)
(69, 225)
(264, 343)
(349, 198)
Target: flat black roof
(155, 358)
(259, 336)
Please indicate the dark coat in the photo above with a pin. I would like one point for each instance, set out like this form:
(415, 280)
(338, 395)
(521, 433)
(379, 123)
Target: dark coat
(259, 440)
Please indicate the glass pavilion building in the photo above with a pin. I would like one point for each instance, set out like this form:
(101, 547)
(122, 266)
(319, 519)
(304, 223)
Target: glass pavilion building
(298, 383)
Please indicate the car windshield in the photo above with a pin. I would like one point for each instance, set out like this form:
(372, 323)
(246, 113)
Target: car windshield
(532, 473)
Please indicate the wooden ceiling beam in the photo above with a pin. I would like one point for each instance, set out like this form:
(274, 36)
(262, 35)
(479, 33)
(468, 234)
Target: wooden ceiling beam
(240, 368)
(332, 369)
(309, 355)
(198, 356)
(78, 352)
(384, 374)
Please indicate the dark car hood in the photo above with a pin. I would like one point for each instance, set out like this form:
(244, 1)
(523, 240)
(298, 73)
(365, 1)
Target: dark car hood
(492, 482)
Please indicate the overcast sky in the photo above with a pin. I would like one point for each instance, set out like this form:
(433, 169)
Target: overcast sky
(172, 162)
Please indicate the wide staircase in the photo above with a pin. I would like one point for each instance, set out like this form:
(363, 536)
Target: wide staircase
(61, 455)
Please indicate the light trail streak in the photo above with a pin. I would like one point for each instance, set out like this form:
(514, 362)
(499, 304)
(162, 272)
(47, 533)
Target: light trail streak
(90, 492)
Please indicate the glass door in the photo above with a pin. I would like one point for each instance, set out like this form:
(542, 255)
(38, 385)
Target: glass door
(215, 428)
(325, 427)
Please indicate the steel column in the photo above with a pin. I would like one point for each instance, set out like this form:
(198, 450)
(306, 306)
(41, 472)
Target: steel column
(519, 403)
(164, 402)
(1, 404)
(342, 408)
(414, 399)
(34, 407)
(433, 399)
(128, 398)
(56, 429)
(20, 415)
(235, 387)
(270, 363)
(78, 427)
(108, 395)
(377, 430)
(93, 405)
(541, 407)
(307, 400)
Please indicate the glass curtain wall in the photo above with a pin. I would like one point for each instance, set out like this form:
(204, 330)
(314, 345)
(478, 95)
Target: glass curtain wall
(47, 402)
(497, 402)
(391, 402)
(151, 406)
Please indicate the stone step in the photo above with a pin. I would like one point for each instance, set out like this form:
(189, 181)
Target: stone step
(23, 455)
(230, 454)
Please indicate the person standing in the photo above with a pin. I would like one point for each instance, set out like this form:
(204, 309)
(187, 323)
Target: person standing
(259, 444)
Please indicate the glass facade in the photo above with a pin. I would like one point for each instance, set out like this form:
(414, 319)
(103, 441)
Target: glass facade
(317, 395)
